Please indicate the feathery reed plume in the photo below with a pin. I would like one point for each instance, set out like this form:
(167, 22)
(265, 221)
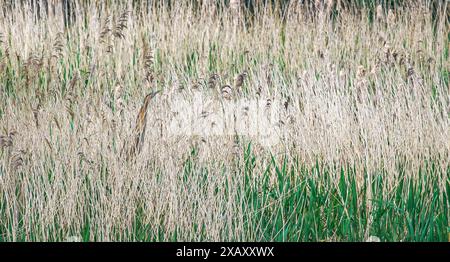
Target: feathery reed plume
(7, 140)
(213, 80)
(83, 158)
(32, 67)
(140, 126)
(197, 84)
(239, 81)
(105, 28)
(57, 48)
(148, 59)
(227, 92)
(17, 160)
(105, 35)
(121, 25)
(33, 61)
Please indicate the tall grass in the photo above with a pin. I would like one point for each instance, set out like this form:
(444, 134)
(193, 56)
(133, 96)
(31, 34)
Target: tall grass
(362, 131)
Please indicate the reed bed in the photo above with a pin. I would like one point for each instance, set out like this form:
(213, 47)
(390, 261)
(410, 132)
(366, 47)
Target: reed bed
(301, 125)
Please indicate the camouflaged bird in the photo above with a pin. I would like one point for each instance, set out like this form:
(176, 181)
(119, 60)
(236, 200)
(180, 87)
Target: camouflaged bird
(140, 127)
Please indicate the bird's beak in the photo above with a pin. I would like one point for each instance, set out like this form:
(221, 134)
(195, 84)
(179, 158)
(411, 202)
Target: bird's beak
(154, 93)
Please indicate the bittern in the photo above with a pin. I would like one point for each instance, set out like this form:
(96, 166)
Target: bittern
(141, 124)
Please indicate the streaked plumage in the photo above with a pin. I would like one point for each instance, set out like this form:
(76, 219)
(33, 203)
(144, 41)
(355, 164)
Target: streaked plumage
(140, 127)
